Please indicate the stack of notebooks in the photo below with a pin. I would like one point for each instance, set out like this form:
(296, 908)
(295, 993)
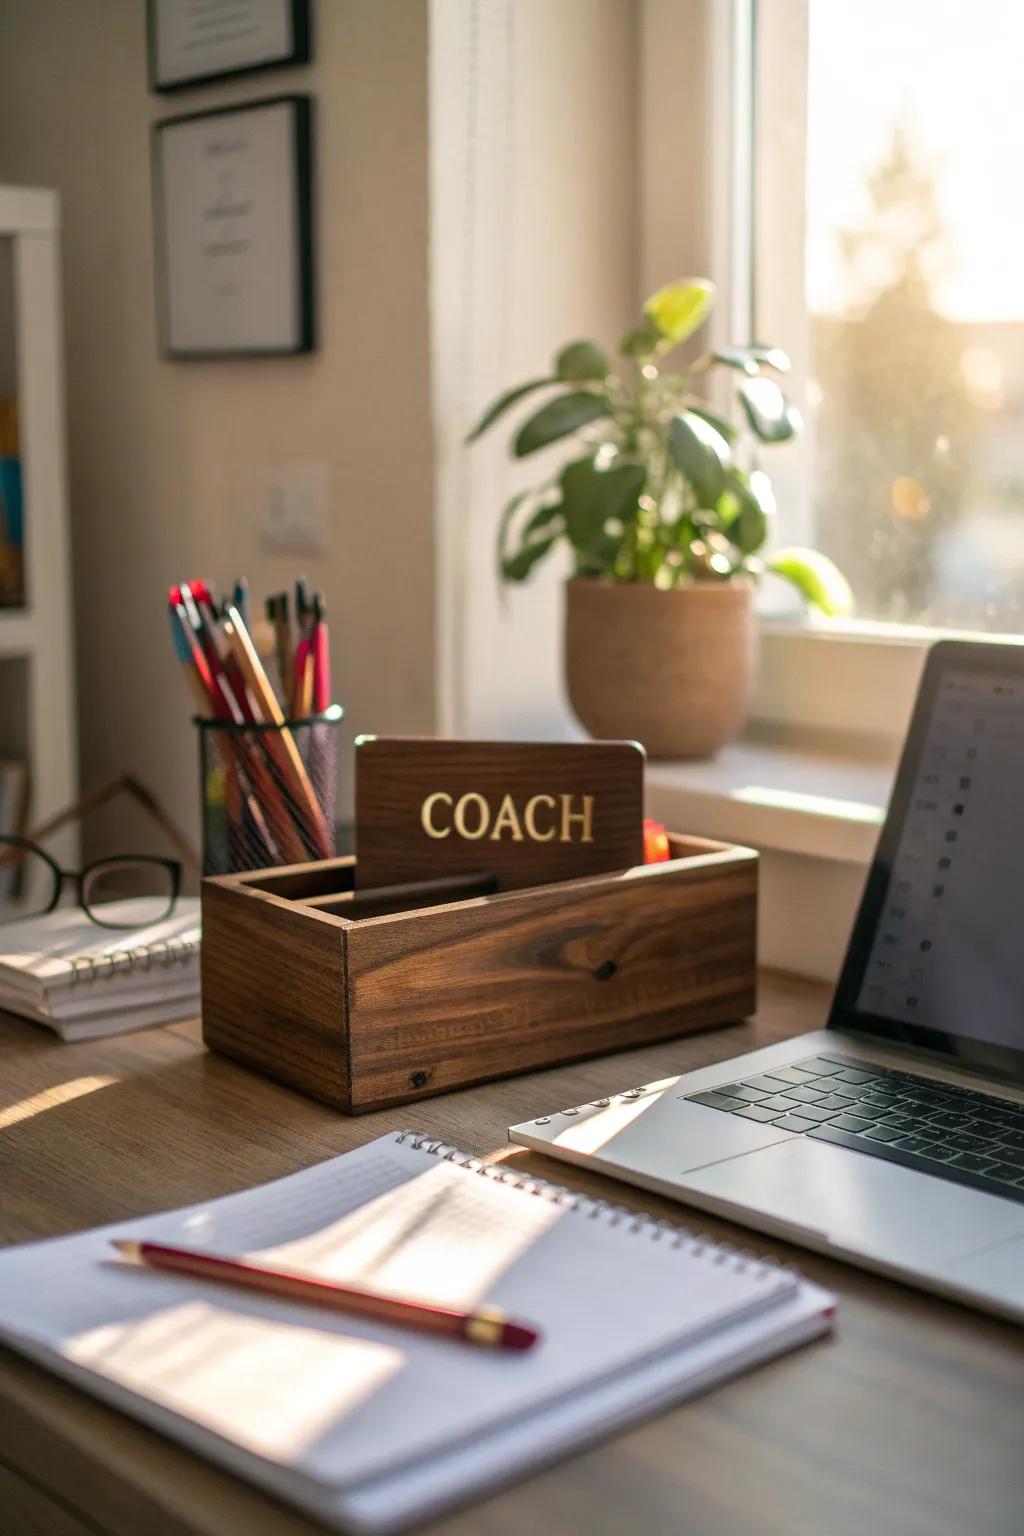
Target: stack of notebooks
(367, 1426)
(84, 981)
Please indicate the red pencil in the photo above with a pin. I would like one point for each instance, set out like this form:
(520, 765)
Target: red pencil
(487, 1327)
(321, 657)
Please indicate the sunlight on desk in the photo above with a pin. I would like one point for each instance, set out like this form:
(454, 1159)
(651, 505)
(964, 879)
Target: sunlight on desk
(52, 1098)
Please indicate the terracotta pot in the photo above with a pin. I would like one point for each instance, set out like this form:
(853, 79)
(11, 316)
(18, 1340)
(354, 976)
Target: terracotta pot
(672, 670)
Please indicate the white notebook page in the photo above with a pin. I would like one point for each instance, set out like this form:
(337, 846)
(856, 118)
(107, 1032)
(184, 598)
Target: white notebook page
(341, 1399)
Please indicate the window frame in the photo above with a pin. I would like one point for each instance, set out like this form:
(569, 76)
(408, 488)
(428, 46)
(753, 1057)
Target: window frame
(758, 59)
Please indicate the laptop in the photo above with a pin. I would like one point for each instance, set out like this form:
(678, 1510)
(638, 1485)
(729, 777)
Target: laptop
(894, 1137)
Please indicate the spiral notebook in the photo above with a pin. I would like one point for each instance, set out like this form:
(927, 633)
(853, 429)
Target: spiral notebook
(367, 1426)
(82, 981)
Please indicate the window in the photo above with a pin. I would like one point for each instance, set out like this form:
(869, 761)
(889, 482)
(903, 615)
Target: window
(889, 216)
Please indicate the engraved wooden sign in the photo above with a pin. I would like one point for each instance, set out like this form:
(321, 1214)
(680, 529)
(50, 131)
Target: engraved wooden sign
(524, 813)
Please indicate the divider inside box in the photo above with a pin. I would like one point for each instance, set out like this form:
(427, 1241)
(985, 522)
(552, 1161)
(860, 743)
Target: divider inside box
(383, 901)
(329, 886)
(301, 882)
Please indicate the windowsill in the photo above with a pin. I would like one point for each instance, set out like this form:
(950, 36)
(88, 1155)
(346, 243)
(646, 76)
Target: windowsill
(792, 800)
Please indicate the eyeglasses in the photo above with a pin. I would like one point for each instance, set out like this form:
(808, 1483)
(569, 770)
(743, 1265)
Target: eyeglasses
(128, 891)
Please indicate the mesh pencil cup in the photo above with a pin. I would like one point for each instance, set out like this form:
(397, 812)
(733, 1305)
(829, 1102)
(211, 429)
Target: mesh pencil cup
(268, 792)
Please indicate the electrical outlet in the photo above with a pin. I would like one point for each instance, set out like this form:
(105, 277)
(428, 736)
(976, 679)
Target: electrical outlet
(294, 517)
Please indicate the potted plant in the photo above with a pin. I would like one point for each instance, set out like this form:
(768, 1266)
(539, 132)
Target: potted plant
(667, 514)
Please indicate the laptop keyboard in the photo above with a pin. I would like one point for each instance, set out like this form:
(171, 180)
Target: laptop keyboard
(952, 1133)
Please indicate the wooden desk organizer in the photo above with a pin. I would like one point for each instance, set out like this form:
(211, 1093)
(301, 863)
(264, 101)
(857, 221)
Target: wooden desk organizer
(364, 999)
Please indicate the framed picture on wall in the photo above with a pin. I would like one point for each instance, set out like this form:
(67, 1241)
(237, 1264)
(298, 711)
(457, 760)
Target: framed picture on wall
(232, 192)
(191, 42)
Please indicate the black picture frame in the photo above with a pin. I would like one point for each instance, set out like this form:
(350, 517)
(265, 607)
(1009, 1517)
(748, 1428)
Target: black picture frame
(300, 51)
(301, 168)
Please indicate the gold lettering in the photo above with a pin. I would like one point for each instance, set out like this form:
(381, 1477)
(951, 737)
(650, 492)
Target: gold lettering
(460, 816)
(530, 818)
(584, 817)
(426, 814)
(506, 817)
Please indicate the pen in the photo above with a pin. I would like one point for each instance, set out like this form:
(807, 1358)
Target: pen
(487, 1327)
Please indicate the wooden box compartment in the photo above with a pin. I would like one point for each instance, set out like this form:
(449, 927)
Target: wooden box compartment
(369, 998)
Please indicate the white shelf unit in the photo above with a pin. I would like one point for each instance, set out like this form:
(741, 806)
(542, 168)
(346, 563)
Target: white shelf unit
(37, 695)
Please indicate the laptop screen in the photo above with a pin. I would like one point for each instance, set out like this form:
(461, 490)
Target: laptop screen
(937, 957)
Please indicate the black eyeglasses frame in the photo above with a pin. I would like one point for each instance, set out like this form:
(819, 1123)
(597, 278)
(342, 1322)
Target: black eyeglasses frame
(78, 877)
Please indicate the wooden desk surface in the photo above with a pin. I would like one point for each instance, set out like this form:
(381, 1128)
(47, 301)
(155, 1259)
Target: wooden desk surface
(908, 1423)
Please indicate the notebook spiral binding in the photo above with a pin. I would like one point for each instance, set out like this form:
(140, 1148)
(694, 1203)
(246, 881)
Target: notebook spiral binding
(637, 1223)
(122, 962)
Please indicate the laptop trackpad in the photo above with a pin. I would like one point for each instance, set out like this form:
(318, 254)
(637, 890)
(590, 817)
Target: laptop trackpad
(861, 1202)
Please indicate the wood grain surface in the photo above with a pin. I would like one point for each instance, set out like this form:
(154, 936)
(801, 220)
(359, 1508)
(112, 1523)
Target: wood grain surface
(396, 774)
(907, 1423)
(407, 1003)
(464, 994)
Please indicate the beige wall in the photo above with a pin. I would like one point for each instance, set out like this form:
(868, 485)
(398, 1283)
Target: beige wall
(169, 461)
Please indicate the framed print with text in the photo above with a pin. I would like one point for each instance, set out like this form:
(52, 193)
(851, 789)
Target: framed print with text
(232, 193)
(192, 42)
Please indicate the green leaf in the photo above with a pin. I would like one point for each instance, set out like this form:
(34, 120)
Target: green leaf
(542, 519)
(518, 566)
(640, 343)
(770, 357)
(726, 428)
(702, 454)
(769, 413)
(748, 510)
(581, 361)
(735, 357)
(677, 310)
(750, 359)
(816, 578)
(540, 523)
(509, 512)
(505, 403)
(559, 418)
(591, 496)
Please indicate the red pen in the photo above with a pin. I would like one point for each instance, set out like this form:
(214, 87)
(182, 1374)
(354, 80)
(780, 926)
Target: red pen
(487, 1327)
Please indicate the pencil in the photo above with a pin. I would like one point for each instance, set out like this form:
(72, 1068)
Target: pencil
(487, 1327)
(280, 743)
(308, 678)
(215, 692)
(277, 613)
(321, 656)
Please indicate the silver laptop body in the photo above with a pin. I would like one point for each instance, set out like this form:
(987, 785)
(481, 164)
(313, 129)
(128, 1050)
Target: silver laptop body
(893, 1138)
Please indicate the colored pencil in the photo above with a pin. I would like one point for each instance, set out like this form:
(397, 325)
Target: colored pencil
(241, 598)
(487, 1327)
(277, 613)
(213, 693)
(321, 656)
(280, 743)
(266, 792)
